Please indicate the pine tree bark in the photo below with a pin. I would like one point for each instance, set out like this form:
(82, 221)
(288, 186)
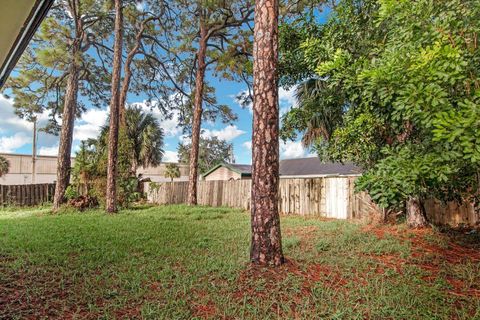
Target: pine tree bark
(111, 195)
(66, 134)
(197, 114)
(416, 217)
(69, 111)
(266, 247)
(128, 72)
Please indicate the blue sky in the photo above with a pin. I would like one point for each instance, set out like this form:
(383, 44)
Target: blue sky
(16, 134)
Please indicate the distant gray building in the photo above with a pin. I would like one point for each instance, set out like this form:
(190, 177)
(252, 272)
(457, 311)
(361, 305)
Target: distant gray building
(289, 168)
(21, 168)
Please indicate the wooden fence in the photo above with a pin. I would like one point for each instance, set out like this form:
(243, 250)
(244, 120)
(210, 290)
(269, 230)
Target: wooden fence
(27, 194)
(452, 213)
(328, 197)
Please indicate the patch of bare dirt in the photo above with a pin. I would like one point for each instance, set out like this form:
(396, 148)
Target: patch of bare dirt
(432, 251)
(306, 234)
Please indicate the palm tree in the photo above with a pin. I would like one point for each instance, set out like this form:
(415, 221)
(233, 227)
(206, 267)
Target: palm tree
(144, 134)
(172, 171)
(4, 166)
(322, 109)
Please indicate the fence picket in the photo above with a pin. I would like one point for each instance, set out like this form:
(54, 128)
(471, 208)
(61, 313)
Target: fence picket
(296, 196)
(26, 195)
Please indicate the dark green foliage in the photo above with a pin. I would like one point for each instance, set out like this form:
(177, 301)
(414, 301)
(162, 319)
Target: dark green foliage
(39, 83)
(319, 112)
(172, 171)
(212, 151)
(141, 145)
(4, 166)
(407, 73)
(146, 135)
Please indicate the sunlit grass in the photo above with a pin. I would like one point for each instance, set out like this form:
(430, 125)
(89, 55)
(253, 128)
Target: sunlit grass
(179, 262)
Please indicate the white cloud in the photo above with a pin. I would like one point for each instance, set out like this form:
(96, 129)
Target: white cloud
(9, 121)
(184, 139)
(169, 125)
(48, 151)
(228, 133)
(247, 145)
(170, 156)
(239, 99)
(287, 96)
(291, 150)
(288, 150)
(9, 144)
(90, 124)
(287, 99)
(14, 129)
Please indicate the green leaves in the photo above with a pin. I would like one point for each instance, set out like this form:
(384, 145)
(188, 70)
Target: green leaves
(408, 73)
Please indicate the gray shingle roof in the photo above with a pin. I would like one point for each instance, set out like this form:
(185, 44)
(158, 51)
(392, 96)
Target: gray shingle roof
(313, 166)
(304, 167)
(242, 168)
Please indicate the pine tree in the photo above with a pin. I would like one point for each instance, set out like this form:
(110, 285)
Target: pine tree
(111, 196)
(219, 34)
(266, 248)
(58, 68)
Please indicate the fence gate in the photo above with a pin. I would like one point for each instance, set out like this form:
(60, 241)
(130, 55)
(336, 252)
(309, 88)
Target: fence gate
(336, 198)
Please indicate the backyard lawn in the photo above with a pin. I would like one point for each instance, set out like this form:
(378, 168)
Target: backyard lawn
(177, 262)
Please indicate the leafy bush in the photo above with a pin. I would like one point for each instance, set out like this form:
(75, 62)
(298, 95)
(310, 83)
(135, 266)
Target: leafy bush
(71, 192)
(83, 202)
(128, 191)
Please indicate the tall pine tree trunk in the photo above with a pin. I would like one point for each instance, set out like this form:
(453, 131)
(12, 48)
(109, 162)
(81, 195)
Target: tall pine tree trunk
(66, 134)
(111, 196)
(266, 248)
(197, 115)
(127, 70)
(416, 217)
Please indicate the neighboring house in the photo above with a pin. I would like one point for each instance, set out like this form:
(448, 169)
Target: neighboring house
(314, 168)
(21, 168)
(157, 174)
(289, 168)
(229, 171)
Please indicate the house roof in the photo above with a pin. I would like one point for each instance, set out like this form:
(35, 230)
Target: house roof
(242, 169)
(313, 166)
(301, 167)
(19, 19)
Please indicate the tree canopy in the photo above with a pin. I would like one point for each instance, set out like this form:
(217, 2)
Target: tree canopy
(407, 75)
(212, 151)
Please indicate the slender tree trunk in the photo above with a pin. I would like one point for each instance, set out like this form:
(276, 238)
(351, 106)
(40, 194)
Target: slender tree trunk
(416, 217)
(128, 70)
(111, 195)
(34, 151)
(197, 115)
(66, 135)
(124, 90)
(266, 248)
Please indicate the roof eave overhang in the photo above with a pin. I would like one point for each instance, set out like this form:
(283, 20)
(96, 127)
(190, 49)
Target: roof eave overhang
(25, 34)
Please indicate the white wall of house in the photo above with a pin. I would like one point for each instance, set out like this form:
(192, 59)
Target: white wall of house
(223, 173)
(20, 171)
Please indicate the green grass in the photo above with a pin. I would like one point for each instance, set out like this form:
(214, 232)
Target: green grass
(178, 262)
